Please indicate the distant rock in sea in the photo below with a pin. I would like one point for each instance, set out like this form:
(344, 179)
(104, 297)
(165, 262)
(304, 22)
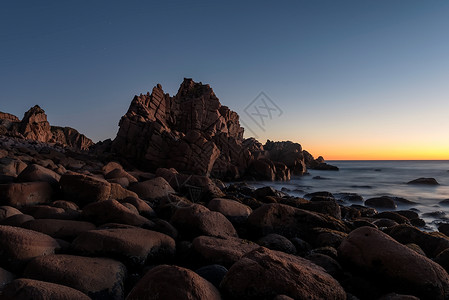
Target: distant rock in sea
(424, 181)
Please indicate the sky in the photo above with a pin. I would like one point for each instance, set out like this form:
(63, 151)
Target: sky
(346, 79)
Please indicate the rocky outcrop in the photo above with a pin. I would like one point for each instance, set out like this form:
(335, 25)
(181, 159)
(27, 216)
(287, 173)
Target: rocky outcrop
(35, 126)
(288, 153)
(317, 164)
(193, 133)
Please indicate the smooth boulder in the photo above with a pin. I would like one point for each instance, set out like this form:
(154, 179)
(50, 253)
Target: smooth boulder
(135, 245)
(196, 220)
(223, 251)
(373, 252)
(19, 245)
(99, 278)
(172, 282)
(236, 212)
(24, 194)
(290, 221)
(264, 274)
(27, 289)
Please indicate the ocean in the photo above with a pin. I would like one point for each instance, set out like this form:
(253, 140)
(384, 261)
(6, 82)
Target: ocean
(378, 178)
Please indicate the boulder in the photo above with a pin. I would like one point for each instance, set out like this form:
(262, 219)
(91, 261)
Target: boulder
(120, 193)
(431, 243)
(120, 173)
(19, 245)
(25, 289)
(264, 274)
(36, 172)
(11, 167)
(152, 189)
(50, 212)
(197, 220)
(212, 273)
(142, 206)
(424, 181)
(195, 187)
(277, 242)
(134, 245)
(23, 194)
(173, 282)
(290, 221)
(111, 211)
(231, 209)
(5, 278)
(61, 229)
(84, 189)
(223, 251)
(373, 252)
(99, 278)
(8, 211)
(383, 202)
(16, 220)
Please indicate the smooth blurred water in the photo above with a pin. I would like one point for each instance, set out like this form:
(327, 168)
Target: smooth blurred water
(377, 178)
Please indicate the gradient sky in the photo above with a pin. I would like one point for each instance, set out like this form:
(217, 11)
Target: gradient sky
(353, 79)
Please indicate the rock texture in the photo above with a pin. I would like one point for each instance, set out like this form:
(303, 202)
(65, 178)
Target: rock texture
(193, 133)
(35, 126)
(263, 274)
(370, 250)
(173, 282)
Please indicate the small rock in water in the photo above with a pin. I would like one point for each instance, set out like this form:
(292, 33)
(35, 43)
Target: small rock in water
(319, 177)
(381, 202)
(424, 181)
(444, 202)
(435, 214)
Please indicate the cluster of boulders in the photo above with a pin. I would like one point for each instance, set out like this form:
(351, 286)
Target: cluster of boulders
(193, 133)
(34, 126)
(75, 227)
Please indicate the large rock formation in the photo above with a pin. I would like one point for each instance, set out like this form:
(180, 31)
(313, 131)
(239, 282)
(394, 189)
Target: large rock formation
(190, 132)
(193, 133)
(34, 126)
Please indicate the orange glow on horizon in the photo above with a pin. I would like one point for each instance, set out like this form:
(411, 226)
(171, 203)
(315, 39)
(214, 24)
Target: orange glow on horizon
(346, 152)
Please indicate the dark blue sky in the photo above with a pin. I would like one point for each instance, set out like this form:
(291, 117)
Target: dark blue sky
(366, 73)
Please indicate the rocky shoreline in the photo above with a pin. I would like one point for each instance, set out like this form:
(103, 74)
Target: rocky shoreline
(147, 215)
(76, 227)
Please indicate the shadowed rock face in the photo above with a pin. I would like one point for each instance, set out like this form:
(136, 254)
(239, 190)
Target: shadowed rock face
(193, 133)
(190, 132)
(34, 126)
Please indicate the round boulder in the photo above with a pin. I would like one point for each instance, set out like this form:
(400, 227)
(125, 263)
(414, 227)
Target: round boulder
(373, 252)
(173, 282)
(26, 289)
(135, 245)
(264, 274)
(99, 278)
(19, 245)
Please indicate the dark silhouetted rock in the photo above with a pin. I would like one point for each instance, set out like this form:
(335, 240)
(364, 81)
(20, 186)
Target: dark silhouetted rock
(424, 181)
(384, 202)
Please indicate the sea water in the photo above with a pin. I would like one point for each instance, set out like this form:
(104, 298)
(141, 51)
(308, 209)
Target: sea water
(380, 178)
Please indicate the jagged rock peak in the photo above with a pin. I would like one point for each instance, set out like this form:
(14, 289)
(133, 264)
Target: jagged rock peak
(35, 126)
